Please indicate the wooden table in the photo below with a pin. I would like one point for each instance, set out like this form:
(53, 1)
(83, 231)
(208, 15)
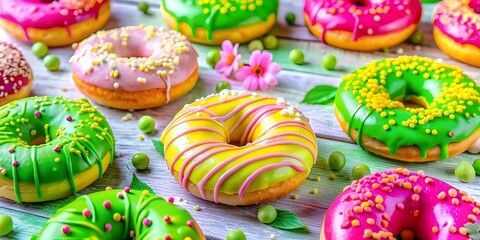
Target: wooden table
(216, 220)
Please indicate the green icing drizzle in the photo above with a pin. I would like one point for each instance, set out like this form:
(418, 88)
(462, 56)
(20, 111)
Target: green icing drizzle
(68, 147)
(375, 100)
(221, 14)
(141, 205)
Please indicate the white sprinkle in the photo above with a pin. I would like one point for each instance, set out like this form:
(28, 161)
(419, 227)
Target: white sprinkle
(400, 51)
(116, 85)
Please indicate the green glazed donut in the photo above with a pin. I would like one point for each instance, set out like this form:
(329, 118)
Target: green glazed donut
(410, 108)
(121, 214)
(51, 147)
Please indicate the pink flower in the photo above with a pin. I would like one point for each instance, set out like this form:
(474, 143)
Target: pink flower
(260, 73)
(230, 60)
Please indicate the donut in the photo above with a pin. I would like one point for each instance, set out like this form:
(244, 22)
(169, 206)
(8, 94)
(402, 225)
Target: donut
(381, 205)
(121, 214)
(362, 25)
(212, 22)
(410, 108)
(51, 147)
(456, 29)
(15, 74)
(238, 148)
(120, 67)
(55, 23)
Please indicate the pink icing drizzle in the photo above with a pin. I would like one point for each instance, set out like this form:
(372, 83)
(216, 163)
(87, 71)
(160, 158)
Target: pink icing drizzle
(43, 15)
(14, 70)
(459, 20)
(363, 18)
(399, 203)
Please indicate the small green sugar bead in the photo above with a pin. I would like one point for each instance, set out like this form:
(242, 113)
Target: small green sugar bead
(267, 214)
(360, 170)
(51, 62)
(40, 49)
(465, 172)
(213, 57)
(270, 42)
(143, 7)
(140, 161)
(336, 161)
(296, 56)
(255, 45)
(222, 85)
(146, 124)
(236, 234)
(329, 62)
(6, 225)
(290, 17)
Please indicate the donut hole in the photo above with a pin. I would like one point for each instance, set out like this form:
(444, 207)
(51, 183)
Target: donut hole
(360, 3)
(407, 234)
(40, 140)
(415, 102)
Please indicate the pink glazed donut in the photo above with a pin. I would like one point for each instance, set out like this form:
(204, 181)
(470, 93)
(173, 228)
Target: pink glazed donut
(457, 29)
(55, 23)
(15, 74)
(362, 25)
(382, 205)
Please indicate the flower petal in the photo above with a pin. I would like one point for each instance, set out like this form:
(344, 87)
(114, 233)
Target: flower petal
(221, 64)
(235, 49)
(227, 46)
(273, 68)
(262, 84)
(246, 83)
(243, 73)
(255, 58)
(270, 79)
(265, 59)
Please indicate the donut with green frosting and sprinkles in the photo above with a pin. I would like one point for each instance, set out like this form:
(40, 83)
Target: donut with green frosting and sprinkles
(51, 147)
(121, 214)
(212, 22)
(410, 108)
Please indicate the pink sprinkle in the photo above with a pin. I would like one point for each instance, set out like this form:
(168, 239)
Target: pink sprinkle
(122, 219)
(147, 222)
(11, 150)
(37, 114)
(15, 164)
(66, 229)
(171, 199)
(400, 206)
(86, 213)
(107, 204)
(56, 149)
(120, 195)
(190, 223)
(132, 233)
(69, 118)
(167, 219)
(108, 227)
(168, 237)
(3, 171)
(415, 197)
(127, 189)
(345, 224)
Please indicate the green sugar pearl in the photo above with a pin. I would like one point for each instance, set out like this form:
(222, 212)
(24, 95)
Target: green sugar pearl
(270, 42)
(222, 85)
(51, 62)
(146, 124)
(255, 45)
(143, 7)
(40, 49)
(236, 234)
(336, 161)
(290, 17)
(213, 57)
(140, 161)
(267, 214)
(296, 56)
(360, 170)
(465, 172)
(329, 62)
(6, 225)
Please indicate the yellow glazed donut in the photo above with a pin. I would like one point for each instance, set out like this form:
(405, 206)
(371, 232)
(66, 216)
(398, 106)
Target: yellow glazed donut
(212, 22)
(55, 23)
(457, 29)
(238, 148)
(410, 108)
(135, 67)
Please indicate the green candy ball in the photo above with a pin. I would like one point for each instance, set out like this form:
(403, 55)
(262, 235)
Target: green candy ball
(146, 124)
(255, 45)
(222, 85)
(360, 170)
(290, 17)
(329, 62)
(51, 62)
(417, 38)
(336, 161)
(476, 166)
(40, 49)
(213, 57)
(270, 42)
(140, 161)
(267, 214)
(143, 7)
(465, 172)
(296, 56)
(6, 225)
(236, 234)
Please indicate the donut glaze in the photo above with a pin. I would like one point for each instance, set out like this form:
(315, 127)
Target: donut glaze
(121, 214)
(15, 74)
(47, 143)
(133, 59)
(374, 102)
(237, 143)
(362, 18)
(38, 14)
(381, 205)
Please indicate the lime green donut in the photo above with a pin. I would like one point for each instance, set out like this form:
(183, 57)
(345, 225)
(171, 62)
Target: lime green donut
(51, 147)
(372, 105)
(121, 214)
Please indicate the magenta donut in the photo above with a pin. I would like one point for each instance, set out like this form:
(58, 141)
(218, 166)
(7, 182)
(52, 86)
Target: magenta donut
(457, 29)
(15, 74)
(381, 205)
(362, 25)
(53, 22)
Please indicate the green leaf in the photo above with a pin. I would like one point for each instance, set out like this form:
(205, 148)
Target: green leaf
(287, 220)
(473, 230)
(321, 94)
(159, 146)
(139, 185)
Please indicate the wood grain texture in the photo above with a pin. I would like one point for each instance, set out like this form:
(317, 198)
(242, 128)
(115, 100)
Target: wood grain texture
(216, 220)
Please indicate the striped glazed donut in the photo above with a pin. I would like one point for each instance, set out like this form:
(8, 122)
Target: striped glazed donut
(238, 148)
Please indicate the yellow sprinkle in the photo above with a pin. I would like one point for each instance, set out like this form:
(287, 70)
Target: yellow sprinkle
(314, 191)
(355, 223)
(145, 193)
(296, 196)
(386, 127)
(434, 132)
(141, 137)
(117, 217)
